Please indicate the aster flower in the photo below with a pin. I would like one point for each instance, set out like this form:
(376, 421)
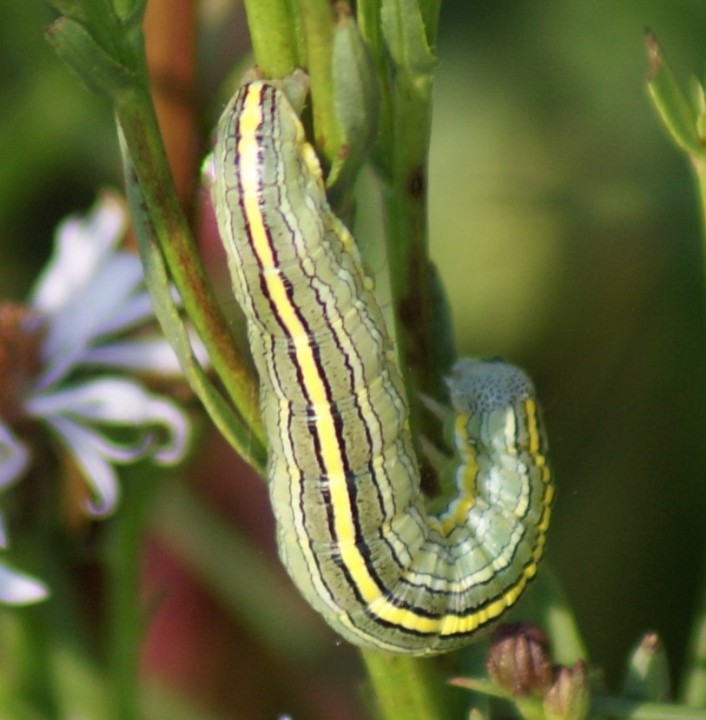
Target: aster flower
(65, 365)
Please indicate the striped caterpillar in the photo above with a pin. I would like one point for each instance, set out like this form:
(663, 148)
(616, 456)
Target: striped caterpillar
(352, 526)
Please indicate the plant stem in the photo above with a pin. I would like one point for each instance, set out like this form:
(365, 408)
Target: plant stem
(693, 690)
(138, 123)
(273, 35)
(318, 25)
(124, 622)
(405, 687)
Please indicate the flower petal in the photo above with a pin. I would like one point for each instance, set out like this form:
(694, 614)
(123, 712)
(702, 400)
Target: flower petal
(116, 402)
(99, 473)
(84, 317)
(144, 355)
(119, 453)
(4, 542)
(14, 457)
(89, 293)
(17, 588)
(81, 245)
(134, 311)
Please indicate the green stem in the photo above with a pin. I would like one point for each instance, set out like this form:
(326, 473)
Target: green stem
(318, 27)
(547, 606)
(137, 120)
(44, 628)
(405, 205)
(692, 691)
(684, 124)
(405, 687)
(693, 685)
(693, 688)
(699, 165)
(53, 660)
(273, 32)
(35, 664)
(107, 52)
(124, 621)
(401, 35)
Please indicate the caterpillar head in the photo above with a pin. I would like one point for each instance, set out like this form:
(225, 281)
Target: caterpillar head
(481, 386)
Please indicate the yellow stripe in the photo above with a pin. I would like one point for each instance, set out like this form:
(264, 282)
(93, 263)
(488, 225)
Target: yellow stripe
(314, 386)
(347, 589)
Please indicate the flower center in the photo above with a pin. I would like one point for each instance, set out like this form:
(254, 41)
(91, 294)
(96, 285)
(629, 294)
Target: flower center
(21, 333)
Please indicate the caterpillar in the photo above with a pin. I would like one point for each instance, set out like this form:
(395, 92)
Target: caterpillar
(352, 527)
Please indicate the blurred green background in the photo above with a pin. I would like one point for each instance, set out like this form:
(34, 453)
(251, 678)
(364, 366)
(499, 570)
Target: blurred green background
(566, 229)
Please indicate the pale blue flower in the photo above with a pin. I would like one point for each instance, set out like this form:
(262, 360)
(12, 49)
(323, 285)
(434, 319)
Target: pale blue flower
(86, 303)
(17, 588)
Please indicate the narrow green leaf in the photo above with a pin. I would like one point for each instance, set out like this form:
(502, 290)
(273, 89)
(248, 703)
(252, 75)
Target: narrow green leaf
(100, 71)
(546, 605)
(130, 11)
(80, 685)
(355, 103)
(75, 9)
(647, 672)
(406, 35)
(233, 429)
(101, 16)
(673, 108)
(693, 682)
(480, 685)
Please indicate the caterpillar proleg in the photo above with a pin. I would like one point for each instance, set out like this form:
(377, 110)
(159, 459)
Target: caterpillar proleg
(352, 526)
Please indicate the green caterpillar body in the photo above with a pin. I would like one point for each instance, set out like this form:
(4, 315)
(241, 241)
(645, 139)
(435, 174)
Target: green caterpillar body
(353, 529)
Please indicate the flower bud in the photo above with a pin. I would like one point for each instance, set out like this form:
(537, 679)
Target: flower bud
(647, 674)
(519, 660)
(567, 698)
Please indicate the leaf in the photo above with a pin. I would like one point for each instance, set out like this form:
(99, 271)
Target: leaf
(678, 117)
(157, 280)
(355, 102)
(647, 673)
(101, 71)
(406, 35)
